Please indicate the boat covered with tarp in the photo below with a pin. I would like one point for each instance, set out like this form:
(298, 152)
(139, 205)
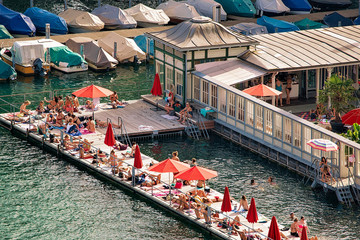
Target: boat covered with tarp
(337, 20)
(4, 33)
(41, 17)
(309, 24)
(244, 8)
(298, 6)
(145, 44)
(249, 29)
(126, 51)
(205, 8)
(146, 16)
(97, 58)
(16, 23)
(81, 21)
(327, 5)
(7, 71)
(114, 17)
(270, 7)
(178, 11)
(274, 25)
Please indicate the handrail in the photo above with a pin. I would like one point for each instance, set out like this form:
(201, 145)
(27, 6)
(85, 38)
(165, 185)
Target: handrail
(202, 127)
(356, 190)
(124, 133)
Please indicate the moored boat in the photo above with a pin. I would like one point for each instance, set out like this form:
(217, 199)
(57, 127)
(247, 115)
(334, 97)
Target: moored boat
(81, 21)
(244, 8)
(270, 7)
(328, 5)
(249, 29)
(145, 44)
(178, 11)
(41, 17)
(337, 20)
(298, 6)
(6, 71)
(97, 58)
(4, 33)
(146, 16)
(274, 25)
(308, 24)
(205, 8)
(114, 17)
(16, 23)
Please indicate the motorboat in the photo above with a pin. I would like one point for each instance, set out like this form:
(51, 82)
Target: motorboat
(126, 50)
(145, 44)
(308, 24)
(6, 71)
(114, 17)
(205, 8)
(337, 20)
(81, 21)
(148, 17)
(243, 8)
(274, 25)
(270, 7)
(249, 29)
(328, 5)
(298, 6)
(4, 33)
(27, 57)
(178, 11)
(41, 17)
(97, 58)
(16, 23)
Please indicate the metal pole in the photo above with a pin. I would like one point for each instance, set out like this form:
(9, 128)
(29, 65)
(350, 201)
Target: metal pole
(47, 31)
(31, 3)
(1, 2)
(82, 50)
(115, 49)
(65, 4)
(99, 3)
(130, 4)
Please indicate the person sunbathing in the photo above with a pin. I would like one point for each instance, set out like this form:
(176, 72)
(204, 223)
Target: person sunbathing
(104, 124)
(23, 109)
(198, 211)
(151, 180)
(68, 144)
(68, 107)
(52, 104)
(50, 118)
(120, 146)
(185, 113)
(244, 205)
(90, 126)
(84, 155)
(40, 109)
(75, 103)
(170, 106)
(87, 145)
(89, 105)
(72, 128)
(59, 119)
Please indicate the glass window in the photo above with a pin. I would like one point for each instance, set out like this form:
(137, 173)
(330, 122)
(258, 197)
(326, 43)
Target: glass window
(268, 121)
(250, 113)
(196, 88)
(278, 126)
(240, 115)
(349, 156)
(287, 130)
(297, 134)
(231, 104)
(169, 78)
(214, 96)
(222, 99)
(316, 135)
(259, 117)
(306, 138)
(179, 83)
(205, 92)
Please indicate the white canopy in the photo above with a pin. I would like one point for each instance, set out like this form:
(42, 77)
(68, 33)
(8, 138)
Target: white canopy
(82, 20)
(142, 13)
(25, 52)
(178, 10)
(205, 8)
(274, 6)
(229, 72)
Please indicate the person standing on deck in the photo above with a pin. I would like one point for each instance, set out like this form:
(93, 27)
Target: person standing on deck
(279, 87)
(288, 88)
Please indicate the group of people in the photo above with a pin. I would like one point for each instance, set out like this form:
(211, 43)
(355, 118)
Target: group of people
(172, 107)
(279, 86)
(325, 171)
(297, 225)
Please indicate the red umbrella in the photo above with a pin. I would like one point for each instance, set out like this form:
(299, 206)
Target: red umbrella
(226, 204)
(156, 88)
(169, 165)
(196, 173)
(351, 117)
(93, 91)
(109, 136)
(304, 234)
(274, 232)
(138, 161)
(262, 90)
(252, 215)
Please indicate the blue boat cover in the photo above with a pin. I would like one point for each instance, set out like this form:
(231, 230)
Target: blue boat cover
(6, 71)
(298, 5)
(249, 29)
(337, 20)
(141, 42)
(357, 21)
(16, 23)
(41, 17)
(308, 24)
(244, 8)
(273, 25)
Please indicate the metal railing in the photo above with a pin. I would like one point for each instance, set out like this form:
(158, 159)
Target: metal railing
(201, 124)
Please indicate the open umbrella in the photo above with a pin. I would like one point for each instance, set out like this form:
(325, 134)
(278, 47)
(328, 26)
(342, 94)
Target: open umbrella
(138, 161)
(304, 234)
(274, 232)
(252, 215)
(156, 90)
(226, 203)
(351, 117)
(170, 166)
(93, 91)
(109, 136)
(323, 145)
(196, 173)
(262, 90)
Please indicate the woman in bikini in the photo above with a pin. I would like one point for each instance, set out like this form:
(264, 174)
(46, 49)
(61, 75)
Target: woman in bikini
(68, 105)
(288, 88)
(75, 103)
(243, 204)
(59, 119)
(185, 113)
(50, 118)
(302, 224)
(51, 104)
(40, 109)
(23, 109)
(279, 87)
(60, 103)
(175, 156)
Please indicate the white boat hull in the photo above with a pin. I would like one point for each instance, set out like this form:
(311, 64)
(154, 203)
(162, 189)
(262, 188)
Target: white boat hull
(72, 69)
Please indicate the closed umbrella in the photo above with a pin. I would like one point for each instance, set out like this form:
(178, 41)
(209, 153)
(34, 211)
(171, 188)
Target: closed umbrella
(156, 90)
(323, 145)
(252, 215)
(274, 232)
(304, 234)
(109, 136)
(137, 160)
(262, 90)
(351, 117)
(226, 203)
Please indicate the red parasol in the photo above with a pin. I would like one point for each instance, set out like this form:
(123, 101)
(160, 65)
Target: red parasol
(196, 173)
(109, 137)
(274, 232)
(156, 88)
(226, 204)
(262, 90)
(304, 234)
(351, 117)
(252, 216)
(169, 165)
(138, 161)
(93, 91)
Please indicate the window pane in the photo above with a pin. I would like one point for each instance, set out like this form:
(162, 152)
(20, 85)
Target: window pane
(259, 116)
(196, 88)
(287, 130)
(278, 126)
(231, 104)
(250, 113)
(179, 83)
(205, 92)
(240, 115)
(214, 96)
(268, 121)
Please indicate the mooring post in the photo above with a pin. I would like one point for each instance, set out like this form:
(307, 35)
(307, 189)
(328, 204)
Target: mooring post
(99, 3)
(31, 3)
(27, 134)
(133, 177)
(65, 4)
(82, 50)
(47, 31)
(115, 49)
(130, 4)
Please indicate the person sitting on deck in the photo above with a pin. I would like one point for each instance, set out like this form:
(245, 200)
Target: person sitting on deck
(59, 118)
(175, 155)
(120, 146)
(23, 110)
(185, 113)
(294, 228)
(132, 153)
(72, 128)
(68, 144)
(84, 155)
(40, 109)
(177, 106)
(75, 103)
(169, 106)
(152, 180)
(77, 121)
(326, 175)
(52, 104)
(50, 118)
(114, 163)
(104, 124)
(302, 224)
(89, 105)
(60, 103)
(87, 145)
(244, 205)
(313, 115)
(90, 126)
(68, 107)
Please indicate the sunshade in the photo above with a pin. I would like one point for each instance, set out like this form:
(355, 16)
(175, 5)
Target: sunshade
(109, 136)
(351, 117)
(93, 91)
(138, 161)
(226, 203)
(274, 232)
(262, 90)
(252, 215)
(156, 88)
(196, 173)
(323, 145)
(304, 234)
(169, 165)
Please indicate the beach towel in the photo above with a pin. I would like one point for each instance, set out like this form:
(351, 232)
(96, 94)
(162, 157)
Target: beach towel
(146, 128)
(169, 117)
(84, 131)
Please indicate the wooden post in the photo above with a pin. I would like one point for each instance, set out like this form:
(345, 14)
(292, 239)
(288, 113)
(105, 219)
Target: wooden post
(31, 3)
(317, 84)
(65, 5)
(47, 31)
(216, 13)
(130, 3)
(273, 86)
(99, 3)
(115, 49)
(82, 50)
(329, 70)
(133, 177)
